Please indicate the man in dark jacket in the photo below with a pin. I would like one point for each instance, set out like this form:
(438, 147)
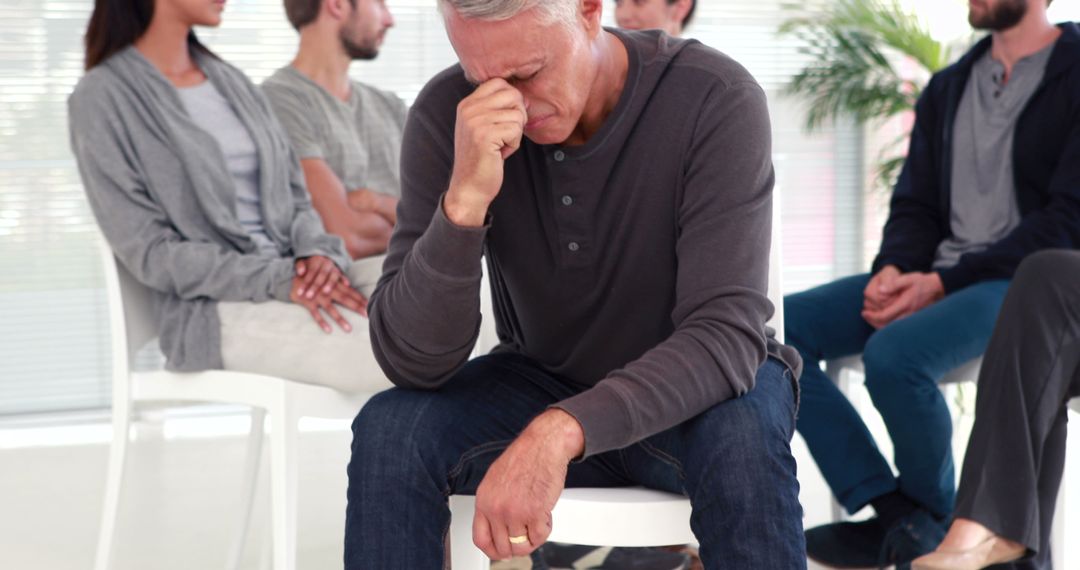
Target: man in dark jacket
(992, 176)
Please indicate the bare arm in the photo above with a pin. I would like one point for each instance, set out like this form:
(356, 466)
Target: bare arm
(367, 200)
(365, 232)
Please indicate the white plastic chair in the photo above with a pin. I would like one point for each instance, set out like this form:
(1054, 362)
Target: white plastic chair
(620, 516)
(133, 326)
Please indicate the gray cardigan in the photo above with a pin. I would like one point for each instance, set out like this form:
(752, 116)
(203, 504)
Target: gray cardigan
(162, 194)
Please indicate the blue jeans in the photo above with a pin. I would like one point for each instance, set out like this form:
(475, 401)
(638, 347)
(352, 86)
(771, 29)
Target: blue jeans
(903, 363)
(413, 449)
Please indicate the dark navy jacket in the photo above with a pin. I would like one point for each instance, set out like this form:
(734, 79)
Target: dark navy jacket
(1046, 166)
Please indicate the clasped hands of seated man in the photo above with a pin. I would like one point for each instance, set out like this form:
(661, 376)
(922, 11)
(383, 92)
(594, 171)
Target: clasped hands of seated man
(515, 499)
(318, 285)
(891, 295)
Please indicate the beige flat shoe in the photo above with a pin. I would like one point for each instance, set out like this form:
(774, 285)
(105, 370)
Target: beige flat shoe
(993, 550)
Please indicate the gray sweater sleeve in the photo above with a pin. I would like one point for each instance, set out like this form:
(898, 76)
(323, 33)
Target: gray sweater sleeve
(137, 229)
(725, 220)
(425, 311)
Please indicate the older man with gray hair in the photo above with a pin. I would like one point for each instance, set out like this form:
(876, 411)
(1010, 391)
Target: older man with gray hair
(619, 185)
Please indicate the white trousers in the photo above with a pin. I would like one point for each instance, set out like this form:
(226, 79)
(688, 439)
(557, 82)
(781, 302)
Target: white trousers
(282, 339)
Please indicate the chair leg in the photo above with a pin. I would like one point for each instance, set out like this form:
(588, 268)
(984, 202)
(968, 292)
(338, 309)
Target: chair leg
(121, 424)
(283, 487)
(464, 555)
(251, 479)
(842, 378)
(1058, 542)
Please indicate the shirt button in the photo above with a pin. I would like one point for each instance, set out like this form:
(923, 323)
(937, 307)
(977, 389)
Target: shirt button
(566, 200)
(574, 246)
(559, 156)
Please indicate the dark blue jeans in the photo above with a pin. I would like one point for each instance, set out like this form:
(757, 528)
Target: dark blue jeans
(413, 449)
(903, 363)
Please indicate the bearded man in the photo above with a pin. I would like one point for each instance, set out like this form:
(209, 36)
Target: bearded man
(347, 134)
(992, 176)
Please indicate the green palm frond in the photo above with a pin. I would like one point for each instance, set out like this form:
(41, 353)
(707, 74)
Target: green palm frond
(853, 47)
(851, 72)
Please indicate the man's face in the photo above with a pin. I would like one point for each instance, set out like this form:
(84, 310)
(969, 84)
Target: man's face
(365, 28)
(996, 15)
(647, 15)
(550, 64)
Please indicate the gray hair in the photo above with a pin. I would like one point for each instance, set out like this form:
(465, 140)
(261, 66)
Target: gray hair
(552, 11)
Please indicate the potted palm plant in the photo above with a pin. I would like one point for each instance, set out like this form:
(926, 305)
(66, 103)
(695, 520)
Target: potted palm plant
(869, 60)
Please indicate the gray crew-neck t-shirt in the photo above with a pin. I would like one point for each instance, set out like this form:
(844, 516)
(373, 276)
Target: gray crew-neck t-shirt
(212, 113)
(360, 140)
(983, 200)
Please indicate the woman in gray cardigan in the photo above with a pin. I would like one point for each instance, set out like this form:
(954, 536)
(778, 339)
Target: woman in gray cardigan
(195, 187)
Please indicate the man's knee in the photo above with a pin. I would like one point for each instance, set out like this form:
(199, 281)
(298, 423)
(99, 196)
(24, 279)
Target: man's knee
(894, 366)
(800, 321)
(377, 420)
(753, 429)
(810, 315)
(884, 359)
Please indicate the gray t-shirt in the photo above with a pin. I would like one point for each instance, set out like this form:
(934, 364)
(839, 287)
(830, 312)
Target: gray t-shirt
(983, 200)
(635, 265)
(212, 112)
(360, 140)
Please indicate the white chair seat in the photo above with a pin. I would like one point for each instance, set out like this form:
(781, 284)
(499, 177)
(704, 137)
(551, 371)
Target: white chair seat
(622, 516)
(967, 372)
(618, 516)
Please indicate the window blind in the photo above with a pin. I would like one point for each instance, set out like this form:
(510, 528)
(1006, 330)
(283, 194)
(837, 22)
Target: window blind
(53, 337)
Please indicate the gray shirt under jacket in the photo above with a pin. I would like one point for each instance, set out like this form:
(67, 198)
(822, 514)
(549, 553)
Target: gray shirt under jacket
(983, 203)
(162, 193)
(211, 111)
(635, 265)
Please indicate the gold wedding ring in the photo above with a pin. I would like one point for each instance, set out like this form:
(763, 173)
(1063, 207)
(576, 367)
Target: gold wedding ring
(519, 539)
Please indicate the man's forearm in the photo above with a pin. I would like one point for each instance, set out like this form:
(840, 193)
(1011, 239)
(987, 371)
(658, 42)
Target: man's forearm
(557, 431)
(365, 200)
(364, 233)
(425, 313)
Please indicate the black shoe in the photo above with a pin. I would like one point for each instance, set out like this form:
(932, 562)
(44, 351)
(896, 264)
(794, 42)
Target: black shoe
(912, 536)
(846, 544)
(577, 557)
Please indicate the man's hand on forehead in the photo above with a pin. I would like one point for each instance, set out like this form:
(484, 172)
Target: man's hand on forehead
(490, 124)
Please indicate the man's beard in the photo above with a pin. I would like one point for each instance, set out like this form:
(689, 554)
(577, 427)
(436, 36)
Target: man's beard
(1001, 17)
(359, 50)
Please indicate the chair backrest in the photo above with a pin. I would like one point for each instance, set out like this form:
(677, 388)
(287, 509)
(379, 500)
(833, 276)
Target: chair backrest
(131, 312)
(776, 270)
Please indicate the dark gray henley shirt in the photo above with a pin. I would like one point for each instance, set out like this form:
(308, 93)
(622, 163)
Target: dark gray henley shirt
(635, 265)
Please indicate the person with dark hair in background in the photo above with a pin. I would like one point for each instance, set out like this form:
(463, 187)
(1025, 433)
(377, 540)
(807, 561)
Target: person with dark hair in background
(1016, 454)
(991, 177)
(199, 196)
(347, 134)
(671, 16)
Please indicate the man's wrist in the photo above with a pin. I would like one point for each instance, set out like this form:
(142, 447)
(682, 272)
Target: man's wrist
(559, 430)
(464, 213)
(939, 285)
